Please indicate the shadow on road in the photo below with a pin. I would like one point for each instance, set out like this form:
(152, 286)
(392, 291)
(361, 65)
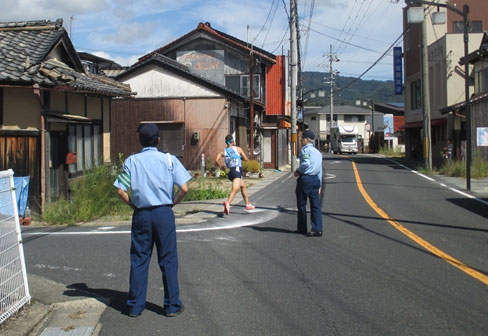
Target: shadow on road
(116, 299)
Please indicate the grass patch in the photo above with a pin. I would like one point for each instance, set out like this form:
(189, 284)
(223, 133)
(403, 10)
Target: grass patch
(207, 188)
(479, 168)
(392, 152)
(92, 196)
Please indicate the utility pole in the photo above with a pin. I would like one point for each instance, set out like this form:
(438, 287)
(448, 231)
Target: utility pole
(251, 102)
(332, 73)
(293, 84)
(373, 140)
(426, 97)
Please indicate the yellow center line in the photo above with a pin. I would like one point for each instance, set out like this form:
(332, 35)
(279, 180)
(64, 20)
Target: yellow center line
(429, 247)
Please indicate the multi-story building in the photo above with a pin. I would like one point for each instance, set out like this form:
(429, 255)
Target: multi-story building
(446, 75)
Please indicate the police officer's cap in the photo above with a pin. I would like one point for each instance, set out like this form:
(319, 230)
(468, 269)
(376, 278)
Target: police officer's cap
(308, 134)
(148, 131)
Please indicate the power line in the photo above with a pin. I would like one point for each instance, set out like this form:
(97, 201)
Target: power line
(264, 24)
(351, 44)
(345, 23)
(379, 59)
(269, 28)
(358, 25)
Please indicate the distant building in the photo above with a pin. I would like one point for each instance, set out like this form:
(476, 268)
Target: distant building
(446, 76)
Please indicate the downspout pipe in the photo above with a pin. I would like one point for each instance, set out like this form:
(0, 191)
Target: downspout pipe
(37, 93)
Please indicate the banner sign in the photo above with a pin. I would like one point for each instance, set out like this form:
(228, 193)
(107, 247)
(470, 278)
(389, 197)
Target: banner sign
(389, 127)
(397, 70)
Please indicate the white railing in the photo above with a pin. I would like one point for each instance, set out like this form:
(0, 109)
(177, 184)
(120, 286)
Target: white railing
(14, 289)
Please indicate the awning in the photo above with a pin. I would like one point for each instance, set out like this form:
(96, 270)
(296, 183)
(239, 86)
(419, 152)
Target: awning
(420, 124)
(69, 118)
(461, 106)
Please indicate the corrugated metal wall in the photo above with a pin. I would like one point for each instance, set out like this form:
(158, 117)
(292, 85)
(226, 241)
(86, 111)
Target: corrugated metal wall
(275, 88)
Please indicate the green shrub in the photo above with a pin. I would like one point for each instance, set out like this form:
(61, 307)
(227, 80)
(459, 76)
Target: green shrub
(92, 196)
(252, 166)
(205, 191)
(392, 152)
(479, 167)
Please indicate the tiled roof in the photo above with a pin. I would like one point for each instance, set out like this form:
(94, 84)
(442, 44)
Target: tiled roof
(24, 47)
(225, 38)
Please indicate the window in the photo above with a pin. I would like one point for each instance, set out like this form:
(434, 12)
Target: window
(171, 138)
(353, 118)
(415, 95)
(474, 27)
(86, 142)
(244, 89)
(240, 85)
(313, 118)
(1, 106)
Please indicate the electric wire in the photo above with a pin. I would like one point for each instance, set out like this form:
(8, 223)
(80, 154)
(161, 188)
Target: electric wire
(345, 24)
(270, 24)
(378, 60)
(265, 22)
(357, 27)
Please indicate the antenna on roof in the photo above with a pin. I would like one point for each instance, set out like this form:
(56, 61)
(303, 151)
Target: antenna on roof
(71, 19)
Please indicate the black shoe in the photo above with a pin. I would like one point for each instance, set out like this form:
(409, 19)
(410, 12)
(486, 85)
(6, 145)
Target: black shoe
(314, 234)
(182, 309)
(300, 232)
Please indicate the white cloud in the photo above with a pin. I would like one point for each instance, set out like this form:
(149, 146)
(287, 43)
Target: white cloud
(128, 29)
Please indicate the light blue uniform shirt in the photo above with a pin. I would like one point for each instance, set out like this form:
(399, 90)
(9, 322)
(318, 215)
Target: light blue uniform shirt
(310, 161)
(152, 177)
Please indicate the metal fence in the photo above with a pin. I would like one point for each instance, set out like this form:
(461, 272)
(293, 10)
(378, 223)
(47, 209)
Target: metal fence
(14, 289)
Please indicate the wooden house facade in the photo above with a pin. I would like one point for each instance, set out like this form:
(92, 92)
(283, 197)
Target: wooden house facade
(54, 117)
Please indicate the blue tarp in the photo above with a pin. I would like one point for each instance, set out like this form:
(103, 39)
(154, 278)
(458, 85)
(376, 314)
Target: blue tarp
(21, 184)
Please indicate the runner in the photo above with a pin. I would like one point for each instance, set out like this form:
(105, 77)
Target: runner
(233, 157)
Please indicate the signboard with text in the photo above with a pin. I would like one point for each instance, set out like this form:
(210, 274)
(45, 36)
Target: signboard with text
(397, 70)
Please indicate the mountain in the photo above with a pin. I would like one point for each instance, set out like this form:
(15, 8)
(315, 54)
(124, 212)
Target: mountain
(380, 91)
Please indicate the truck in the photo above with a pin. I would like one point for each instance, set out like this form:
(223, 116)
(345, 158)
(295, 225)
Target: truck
(344, 139)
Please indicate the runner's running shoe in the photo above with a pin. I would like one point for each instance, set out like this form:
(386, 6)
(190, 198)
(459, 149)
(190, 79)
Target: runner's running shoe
(250, 207)
(226, 208)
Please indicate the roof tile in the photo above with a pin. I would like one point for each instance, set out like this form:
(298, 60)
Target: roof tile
(24, 48)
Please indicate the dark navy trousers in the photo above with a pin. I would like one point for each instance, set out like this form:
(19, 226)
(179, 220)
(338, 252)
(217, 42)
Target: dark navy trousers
(308, 188)
(151, 226)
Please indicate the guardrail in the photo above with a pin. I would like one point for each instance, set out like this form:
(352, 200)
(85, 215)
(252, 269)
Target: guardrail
(14, 288)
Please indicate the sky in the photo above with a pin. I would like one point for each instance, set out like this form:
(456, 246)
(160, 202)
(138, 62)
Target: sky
(359, 31)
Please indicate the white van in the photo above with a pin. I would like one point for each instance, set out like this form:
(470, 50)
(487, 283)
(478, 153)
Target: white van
(344, 139)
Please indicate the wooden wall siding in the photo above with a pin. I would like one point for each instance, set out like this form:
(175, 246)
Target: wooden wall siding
(21, 153)
(210, 119)
(207, 117)
(479, 113)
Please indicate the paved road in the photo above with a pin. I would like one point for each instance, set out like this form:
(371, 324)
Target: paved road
(405, 256)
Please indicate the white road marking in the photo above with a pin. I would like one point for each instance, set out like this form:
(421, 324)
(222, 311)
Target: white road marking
(440, 183)
(264, 216)
(53, 267)
(329, 176)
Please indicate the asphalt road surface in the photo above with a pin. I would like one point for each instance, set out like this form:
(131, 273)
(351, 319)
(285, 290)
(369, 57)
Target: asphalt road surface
(400, 255)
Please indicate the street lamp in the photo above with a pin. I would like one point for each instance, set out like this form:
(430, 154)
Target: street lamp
(464, 13)
(372, 136)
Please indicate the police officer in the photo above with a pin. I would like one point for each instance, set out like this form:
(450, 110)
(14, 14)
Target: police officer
(149, 178)
(309, 184)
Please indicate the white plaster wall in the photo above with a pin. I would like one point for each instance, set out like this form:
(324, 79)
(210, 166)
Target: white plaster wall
(155, 82)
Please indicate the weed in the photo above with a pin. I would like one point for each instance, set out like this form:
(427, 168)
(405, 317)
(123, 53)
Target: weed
(392, 152)
(252, 166)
